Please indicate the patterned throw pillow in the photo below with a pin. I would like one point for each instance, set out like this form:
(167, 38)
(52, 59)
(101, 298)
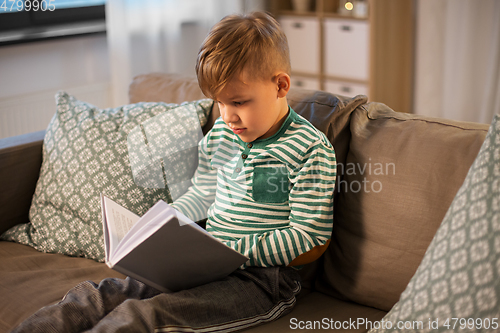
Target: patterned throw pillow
(88, 151)
(456, 288)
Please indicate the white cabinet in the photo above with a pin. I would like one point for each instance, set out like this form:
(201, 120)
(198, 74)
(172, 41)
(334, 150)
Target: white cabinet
(346, 48)
(305, 82)
(349, 54)
(304, 43)
(345, 88)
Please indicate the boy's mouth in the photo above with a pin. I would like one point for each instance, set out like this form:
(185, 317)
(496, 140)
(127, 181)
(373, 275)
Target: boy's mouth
(238, 130)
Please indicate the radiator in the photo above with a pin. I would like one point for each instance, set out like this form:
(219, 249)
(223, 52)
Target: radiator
(33, 112)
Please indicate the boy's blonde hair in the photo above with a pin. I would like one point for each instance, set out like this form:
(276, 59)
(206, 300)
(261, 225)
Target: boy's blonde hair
(254, 42)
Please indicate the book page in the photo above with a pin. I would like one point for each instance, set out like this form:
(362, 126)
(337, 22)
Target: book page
(154, 218)
(119, 221)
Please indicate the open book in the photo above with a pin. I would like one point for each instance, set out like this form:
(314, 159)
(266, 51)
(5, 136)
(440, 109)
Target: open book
(164, 248)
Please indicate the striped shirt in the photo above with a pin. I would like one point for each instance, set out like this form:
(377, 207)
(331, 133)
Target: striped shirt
(271, 199)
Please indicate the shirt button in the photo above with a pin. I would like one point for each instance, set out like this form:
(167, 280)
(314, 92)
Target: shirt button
(249, 145)
(237, 170)
(244, 156)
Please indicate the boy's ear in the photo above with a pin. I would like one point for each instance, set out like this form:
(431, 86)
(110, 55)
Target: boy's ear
(283, 84)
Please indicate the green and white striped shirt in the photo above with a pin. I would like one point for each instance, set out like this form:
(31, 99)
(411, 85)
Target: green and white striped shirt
(271, 199)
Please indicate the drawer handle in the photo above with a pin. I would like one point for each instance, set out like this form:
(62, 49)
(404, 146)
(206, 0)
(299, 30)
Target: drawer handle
(299, 83)
(345, 28)
(346, 89)
(297, 25)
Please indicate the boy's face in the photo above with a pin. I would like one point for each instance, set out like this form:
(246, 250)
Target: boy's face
(254, 108)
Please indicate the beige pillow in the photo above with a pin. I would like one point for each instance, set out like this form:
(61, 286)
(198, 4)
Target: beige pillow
(457, 286)
(401, 174)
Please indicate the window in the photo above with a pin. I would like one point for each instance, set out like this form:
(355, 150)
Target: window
(29, 20)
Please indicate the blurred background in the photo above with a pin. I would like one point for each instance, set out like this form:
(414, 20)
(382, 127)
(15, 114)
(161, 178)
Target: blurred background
(439, 58)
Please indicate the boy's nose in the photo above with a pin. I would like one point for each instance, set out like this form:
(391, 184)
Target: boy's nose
(229, 115)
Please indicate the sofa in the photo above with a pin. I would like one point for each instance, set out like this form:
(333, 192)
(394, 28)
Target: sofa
(397, 177)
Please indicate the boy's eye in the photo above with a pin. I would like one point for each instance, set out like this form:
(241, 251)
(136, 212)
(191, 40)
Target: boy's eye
(239, 103)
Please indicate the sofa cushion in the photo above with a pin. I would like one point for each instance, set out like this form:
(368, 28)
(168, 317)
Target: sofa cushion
(317, 312)
(88, 151)
(399, 178)
(30, 280)
(459, 276)
(25, 291)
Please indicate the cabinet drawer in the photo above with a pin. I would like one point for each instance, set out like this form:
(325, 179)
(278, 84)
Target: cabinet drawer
(346, 49)
(303, 41)
(305, 82)
(347, 89)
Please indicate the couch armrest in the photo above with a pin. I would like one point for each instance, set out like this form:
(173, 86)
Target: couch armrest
(20, 162)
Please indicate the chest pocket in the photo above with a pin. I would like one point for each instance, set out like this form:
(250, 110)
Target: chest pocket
(271, 184)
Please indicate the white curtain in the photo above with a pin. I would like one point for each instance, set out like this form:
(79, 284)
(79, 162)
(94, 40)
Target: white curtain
(160, 36)
(457, 68)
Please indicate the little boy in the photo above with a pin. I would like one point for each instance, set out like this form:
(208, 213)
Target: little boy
(265, 183)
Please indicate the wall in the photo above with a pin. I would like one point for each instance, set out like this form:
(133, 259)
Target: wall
(32, 73)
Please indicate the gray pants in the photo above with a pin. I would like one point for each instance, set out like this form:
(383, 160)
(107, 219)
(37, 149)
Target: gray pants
(244, 299)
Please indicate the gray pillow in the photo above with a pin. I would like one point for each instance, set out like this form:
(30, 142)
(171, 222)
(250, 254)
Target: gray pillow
(88, 151)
